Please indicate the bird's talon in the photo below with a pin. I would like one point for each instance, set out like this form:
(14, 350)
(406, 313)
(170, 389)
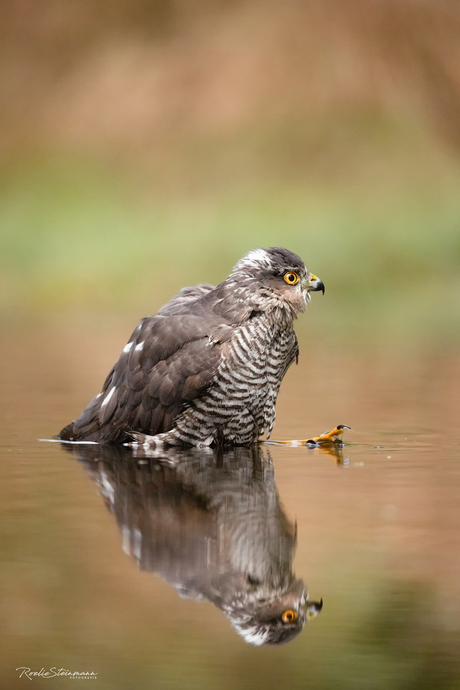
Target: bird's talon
(331, 437)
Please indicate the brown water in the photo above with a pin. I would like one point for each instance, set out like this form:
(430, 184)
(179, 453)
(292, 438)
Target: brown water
(97, 546)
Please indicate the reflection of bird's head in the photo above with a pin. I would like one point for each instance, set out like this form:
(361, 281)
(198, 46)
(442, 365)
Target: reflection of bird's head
(279, 620)
(274, 277)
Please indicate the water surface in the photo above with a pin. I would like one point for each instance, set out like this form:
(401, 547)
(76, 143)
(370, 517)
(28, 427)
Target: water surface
(134, 568)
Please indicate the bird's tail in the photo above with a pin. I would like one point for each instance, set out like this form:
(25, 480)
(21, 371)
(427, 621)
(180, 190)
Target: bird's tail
(67, 433)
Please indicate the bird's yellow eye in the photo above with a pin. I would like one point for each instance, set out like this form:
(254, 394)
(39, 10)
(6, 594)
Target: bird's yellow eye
(289, 616)
(291, 278)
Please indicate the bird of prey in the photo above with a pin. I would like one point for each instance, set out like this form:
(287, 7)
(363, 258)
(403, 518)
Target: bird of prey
(206, 369)
(209, 523)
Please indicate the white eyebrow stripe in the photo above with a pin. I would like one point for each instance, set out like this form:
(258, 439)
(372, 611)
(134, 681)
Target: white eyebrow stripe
(108, 396)
(253, 636)
(255, 258)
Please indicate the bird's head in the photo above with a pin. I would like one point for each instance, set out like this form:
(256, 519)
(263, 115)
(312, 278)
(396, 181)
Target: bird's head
(276, 277)
(279, 620)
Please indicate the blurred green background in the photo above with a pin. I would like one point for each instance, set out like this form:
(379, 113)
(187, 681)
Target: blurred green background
(148, 145)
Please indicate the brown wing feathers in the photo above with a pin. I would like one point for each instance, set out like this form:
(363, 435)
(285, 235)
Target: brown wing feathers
(169, 360)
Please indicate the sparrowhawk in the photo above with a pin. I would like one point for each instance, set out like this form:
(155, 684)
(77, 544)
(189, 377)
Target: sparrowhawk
(206, 369)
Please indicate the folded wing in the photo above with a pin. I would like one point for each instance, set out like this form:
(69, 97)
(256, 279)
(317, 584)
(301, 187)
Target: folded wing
(170, 359)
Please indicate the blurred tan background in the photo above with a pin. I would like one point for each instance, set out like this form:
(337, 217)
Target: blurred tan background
(147, 145)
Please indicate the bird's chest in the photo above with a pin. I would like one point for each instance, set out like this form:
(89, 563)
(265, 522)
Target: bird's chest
(259, 354)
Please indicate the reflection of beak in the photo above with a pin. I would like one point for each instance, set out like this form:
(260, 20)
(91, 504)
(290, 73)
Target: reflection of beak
(315, 284)
(313, 609)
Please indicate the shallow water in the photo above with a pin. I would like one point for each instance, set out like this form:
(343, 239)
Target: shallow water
(135, 568)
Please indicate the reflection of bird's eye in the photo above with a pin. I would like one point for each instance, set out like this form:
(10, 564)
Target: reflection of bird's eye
(289, 616)
(291, 278)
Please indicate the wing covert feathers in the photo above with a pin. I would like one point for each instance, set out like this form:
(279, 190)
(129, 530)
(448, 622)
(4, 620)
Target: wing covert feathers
(170, 359)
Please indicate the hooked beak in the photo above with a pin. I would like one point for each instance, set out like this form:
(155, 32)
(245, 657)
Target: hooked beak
(315, 284)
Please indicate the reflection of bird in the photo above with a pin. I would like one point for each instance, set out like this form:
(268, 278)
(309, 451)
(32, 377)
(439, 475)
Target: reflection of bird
(210, 524)
(206, 369)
